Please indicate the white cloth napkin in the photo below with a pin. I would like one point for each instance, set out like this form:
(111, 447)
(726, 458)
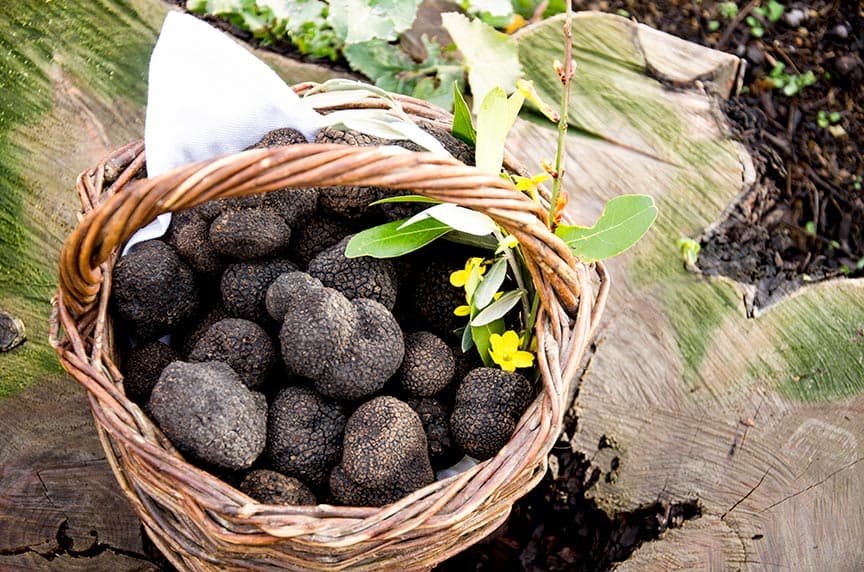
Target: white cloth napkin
(207, 96)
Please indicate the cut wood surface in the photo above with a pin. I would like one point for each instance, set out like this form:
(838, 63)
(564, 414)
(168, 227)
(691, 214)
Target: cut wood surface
(759, 420)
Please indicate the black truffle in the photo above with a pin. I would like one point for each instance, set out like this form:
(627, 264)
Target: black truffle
(349, 348)
(318, 234)
(434, 298)
(186, 339)
(428, 365)
(362, 277)
(207, 412)
(436, 424)
(249, 233)
(244, 287)
(242, 344)
(270, 487)
(189, 234)
(489, 403)
(143, 368)
(349, 202)
(384, 455)
(304, 434)
(154, 289)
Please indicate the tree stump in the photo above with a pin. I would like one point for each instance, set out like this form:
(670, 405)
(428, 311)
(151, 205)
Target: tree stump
(683, 398)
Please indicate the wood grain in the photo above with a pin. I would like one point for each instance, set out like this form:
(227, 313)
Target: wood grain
(756, 419)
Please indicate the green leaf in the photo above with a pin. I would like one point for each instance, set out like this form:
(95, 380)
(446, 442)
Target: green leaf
(487, 242)
(405, 199)
(458, 218)
(467, 339)
(363, 20)
(387, 241)
(463, 125)
(625, 219)
(295, 13)
(491, 57)
(480, 335)
(495, 118)
(490, 284)
(497, 309)
(393, 70)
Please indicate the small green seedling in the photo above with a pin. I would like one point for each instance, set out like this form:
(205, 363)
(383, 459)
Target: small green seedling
(772, 11)
(689, 250)
(825, 119)
(713, 25)
(727, 10)
(791, 84)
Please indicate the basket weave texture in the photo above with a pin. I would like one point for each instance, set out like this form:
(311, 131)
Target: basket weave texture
(201, 523)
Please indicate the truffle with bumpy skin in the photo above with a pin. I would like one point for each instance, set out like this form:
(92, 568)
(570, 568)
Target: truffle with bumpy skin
(349, 348)
(207, 412)
(384, 455)
(489, 403)
(143, 368)
(245, 234)
(242, 344)
(270, 487)
(186, 339)
(304, 434)
(348, 201)
(436, 424)
(434, 298)
(154, 289)
(189, 234)
(244, 287)
(428, 365)
(318, 234)
(361, 277)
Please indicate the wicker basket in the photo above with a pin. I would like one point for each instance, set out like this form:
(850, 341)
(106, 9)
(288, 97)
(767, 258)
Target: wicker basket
(202, 523)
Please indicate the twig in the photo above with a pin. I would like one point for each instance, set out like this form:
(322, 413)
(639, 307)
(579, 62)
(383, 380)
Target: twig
(727, 33)
(565, 73)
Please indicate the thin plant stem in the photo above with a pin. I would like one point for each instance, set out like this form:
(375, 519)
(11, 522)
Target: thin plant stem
(566, 74)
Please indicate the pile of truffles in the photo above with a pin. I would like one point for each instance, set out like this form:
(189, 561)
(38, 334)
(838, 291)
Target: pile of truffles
(297, 374)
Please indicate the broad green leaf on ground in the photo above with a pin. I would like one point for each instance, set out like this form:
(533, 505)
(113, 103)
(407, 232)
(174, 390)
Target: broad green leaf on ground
(491, 57)
(364, 20)
(490, 284)
(497, 309)
(388, 241)
(295, 13)
(393, 70)
(625, 219)
(458, 218)
(463, 125)
(494, 119)
(480, 335)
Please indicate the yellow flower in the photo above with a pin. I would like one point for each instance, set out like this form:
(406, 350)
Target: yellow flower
(460, 277)
(462, 310)
(506, 353)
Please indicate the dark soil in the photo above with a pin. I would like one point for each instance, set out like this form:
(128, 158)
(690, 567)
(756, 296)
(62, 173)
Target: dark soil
(803, 221)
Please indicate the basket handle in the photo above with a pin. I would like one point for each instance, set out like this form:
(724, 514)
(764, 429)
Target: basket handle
(113, 222)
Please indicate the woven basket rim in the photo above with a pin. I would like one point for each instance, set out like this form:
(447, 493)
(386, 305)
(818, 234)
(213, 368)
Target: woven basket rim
(200, 522)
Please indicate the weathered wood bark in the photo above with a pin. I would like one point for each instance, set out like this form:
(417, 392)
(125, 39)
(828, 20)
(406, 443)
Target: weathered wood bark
(758, 420)
(73, 78)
